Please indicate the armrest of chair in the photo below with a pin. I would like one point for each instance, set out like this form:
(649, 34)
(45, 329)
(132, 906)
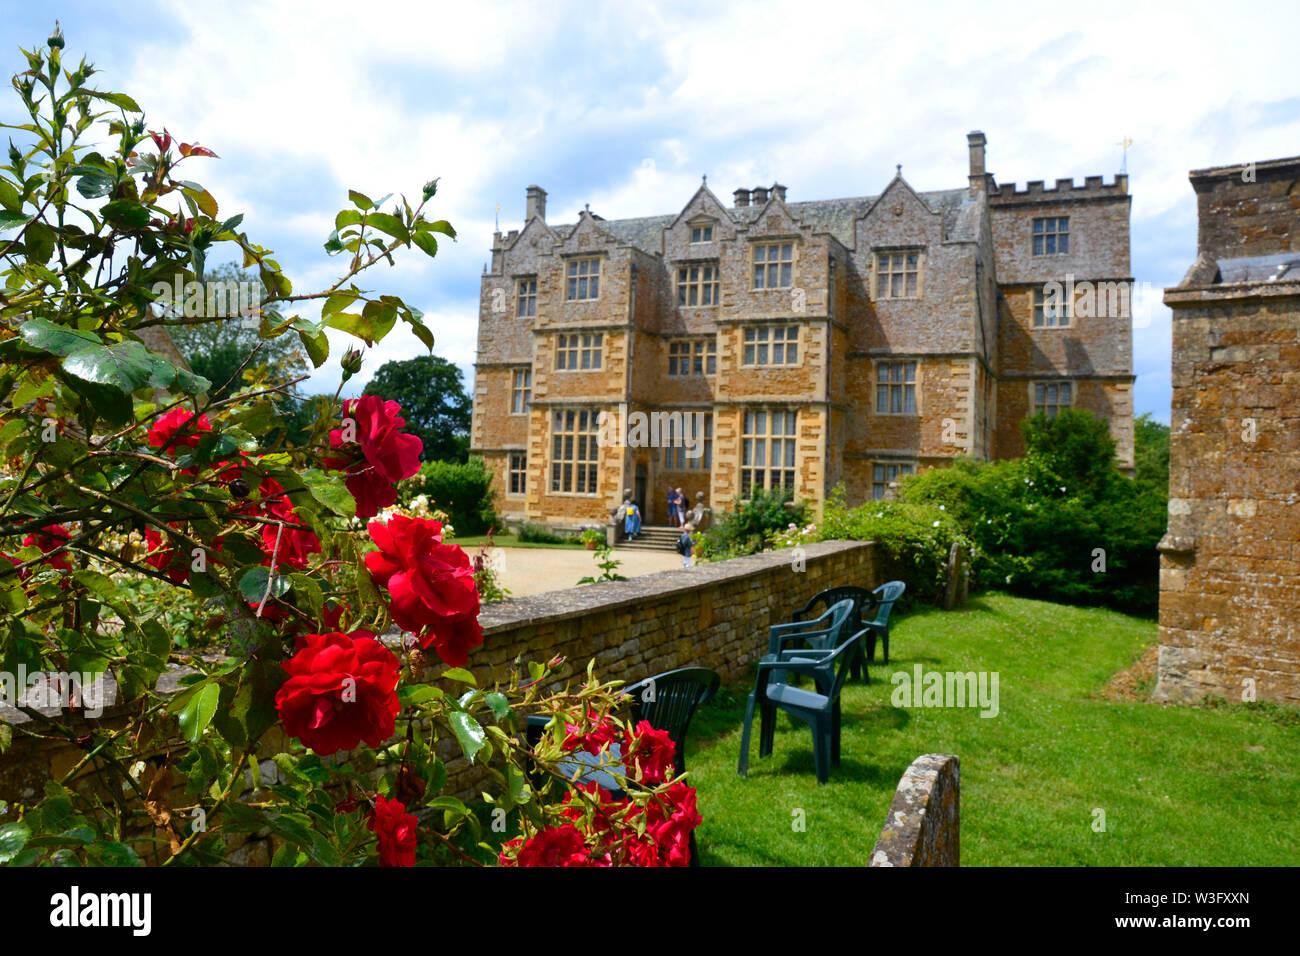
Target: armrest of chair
(807, 667)
(804, 653)
(776, 643)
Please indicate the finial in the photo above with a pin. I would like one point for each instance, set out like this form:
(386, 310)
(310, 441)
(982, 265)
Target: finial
(705, 179)
(898, 169)
(586, 206)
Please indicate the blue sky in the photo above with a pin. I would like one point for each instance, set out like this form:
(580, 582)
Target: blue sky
(625, 106)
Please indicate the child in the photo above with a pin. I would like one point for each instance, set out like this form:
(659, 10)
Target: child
(686, 545)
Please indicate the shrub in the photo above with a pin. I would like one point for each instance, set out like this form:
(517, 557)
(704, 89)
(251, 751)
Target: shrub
(464, 491)
(1061, 523)
(538, 534)
(749, 528)
(914, 539)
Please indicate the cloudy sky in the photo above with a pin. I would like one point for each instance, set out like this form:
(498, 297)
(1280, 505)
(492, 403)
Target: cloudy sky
(624, 106)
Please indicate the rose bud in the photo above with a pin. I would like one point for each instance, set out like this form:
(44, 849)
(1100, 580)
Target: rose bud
(351, 363)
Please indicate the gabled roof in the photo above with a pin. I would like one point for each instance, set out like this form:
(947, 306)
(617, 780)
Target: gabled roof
(833, 216)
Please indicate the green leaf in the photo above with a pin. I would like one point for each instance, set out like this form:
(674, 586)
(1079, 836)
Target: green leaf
(360, 200)
(10, 218)
(389, 224)
(317, 345)
(125, 366)
(40, 241)
(125, 214)
(468, 732)
(112, 854)
(10, 197)
(331, 492)
(426, 242)
(499, 704)
(444, 227)
(459, 674)
(253, 584)
(13, 837)
(198, 710)
(410, 694)
(94, 185)
(56, 339)
(117, 99)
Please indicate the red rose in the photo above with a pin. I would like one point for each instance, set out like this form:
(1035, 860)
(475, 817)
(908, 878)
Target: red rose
(374, 452)
(432, 587)
(599, 737)
(555, 846)
(163, 558)
(289, 546)
(47, 539)
(341, 690)
(396, 831)
(649, 753)
(164, 433)
(670, 824)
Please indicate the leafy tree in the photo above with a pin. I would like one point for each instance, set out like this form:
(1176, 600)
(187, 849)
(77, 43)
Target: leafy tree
(1151, 451)
(434, 403)
(231, 351)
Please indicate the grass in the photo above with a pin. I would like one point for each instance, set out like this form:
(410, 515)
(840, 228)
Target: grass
(507, 541)
(1180, 786)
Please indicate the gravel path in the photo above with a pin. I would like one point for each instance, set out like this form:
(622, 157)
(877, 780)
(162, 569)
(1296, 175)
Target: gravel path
(537, 570)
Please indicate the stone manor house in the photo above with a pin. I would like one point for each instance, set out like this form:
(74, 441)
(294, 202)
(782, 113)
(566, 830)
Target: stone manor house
(796, 345)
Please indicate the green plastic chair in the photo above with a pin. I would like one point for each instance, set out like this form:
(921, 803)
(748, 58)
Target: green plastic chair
(887, 594)
(820, 711)
(862, 599)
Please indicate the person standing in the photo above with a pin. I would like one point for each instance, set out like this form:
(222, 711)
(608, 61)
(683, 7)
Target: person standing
(631, 519)
(672, 507)
(686, 545)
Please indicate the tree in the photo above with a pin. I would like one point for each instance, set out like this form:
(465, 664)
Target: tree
(223, 351)
(1151, 451)
(434, 403)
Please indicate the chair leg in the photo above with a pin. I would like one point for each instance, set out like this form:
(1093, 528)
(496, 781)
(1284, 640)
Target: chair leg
(822, 749)
(766, 729)
(885, 640)
(835, 733)
(742, 768)
(871, 648)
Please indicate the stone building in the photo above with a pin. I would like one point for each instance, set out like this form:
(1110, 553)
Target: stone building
(774, 343)
(1230, 563)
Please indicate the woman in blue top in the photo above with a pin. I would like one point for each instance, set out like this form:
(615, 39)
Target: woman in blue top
(631, 518)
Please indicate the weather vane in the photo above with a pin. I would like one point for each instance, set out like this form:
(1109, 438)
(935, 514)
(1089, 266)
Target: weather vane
(1124, 144)
(498, 219)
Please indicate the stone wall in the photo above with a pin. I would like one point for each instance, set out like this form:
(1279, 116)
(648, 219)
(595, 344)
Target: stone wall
(923, 827)
(1230, 562)
(714, 615)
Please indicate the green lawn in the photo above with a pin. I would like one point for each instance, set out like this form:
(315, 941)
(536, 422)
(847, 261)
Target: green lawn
(1179, 785)
(506, 541)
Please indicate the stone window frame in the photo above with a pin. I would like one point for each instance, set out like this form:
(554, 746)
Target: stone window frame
(889, 253)
(577, 280)
(575, 444)
(751, 343)
(1066, 386)
(572, 347)
(525, 297)
(1064, 317)
(520, 473)
(521, 393)
(675, 457)
(755, 444)
(884, 465)
(886, 379)
(692, 353)
(786, 280)
(702, 286)
(702, 229)
(1040, 237)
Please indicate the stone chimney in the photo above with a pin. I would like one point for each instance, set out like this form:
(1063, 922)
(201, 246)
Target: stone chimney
(536, 204)
(778, 191)
(978, 179)
(760, 195)
(742, 197)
